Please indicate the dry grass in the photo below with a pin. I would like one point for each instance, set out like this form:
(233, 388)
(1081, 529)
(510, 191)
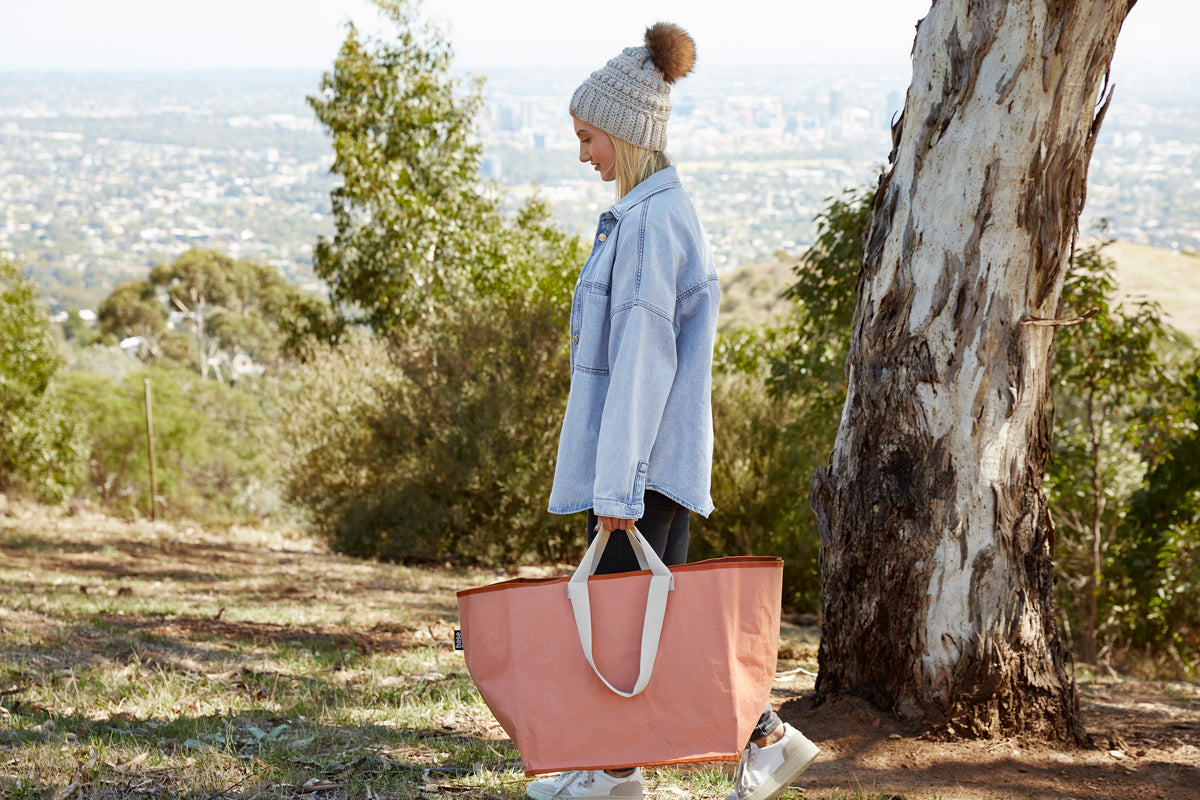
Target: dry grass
(1170, 279)
(155, 661)
(150, 660)
(144, 660)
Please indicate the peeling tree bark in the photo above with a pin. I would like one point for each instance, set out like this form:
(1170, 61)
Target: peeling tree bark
(937, 547)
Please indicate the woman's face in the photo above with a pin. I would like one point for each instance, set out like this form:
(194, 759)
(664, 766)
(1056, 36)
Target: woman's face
(596, 148)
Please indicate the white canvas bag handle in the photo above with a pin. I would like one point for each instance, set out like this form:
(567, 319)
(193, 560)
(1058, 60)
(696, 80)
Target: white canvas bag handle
(661, 584)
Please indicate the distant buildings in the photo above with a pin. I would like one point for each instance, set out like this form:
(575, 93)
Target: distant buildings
(102, 177)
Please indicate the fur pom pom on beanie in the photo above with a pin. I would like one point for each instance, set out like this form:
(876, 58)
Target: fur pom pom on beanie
(630, 96)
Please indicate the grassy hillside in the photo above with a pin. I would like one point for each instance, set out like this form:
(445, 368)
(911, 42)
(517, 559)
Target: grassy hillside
(1171, 279)
(146, 660)
(750, 293)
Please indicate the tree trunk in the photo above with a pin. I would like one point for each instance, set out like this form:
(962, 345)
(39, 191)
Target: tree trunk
(1089, 651)
(937, 546)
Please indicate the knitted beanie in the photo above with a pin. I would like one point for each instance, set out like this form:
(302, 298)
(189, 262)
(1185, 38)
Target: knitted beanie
(630, 96)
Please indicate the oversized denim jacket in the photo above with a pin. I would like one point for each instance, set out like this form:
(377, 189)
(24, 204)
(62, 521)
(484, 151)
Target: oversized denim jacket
(643, 322)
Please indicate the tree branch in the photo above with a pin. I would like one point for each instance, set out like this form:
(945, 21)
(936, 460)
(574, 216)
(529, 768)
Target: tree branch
(1057, 323)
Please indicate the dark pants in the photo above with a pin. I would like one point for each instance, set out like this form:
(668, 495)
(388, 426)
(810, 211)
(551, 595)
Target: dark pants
(665, 526)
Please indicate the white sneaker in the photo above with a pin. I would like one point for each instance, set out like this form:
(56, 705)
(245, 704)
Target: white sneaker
(586, 783)
(764, 772)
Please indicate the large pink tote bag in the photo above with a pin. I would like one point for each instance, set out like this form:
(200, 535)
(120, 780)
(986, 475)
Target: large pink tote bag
(660, 666)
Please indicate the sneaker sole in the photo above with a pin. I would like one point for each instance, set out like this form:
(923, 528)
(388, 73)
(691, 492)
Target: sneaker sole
(788, 771)
(542, 796)
(538, 794)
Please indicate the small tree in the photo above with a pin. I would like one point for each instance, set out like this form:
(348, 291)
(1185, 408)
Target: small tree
(133, 309)
(213, 445)
(1113, 393)
(1155, 558)
(449, 449)
(408, 211)
(230, 306)
(233, 305)
(813, 362)
(37, 440)
(439, 441)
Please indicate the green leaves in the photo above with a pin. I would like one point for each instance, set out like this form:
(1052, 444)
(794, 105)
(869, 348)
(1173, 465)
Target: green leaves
(214, 446)
(227, 305)
(1121, 409)
(408, 215)
(438, 441)
(37, 440)
(813, 360)
(428, 429)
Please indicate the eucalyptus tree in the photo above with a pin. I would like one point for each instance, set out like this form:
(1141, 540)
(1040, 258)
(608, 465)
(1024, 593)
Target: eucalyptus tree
(937, 544)
(427, 429)
(408, 212)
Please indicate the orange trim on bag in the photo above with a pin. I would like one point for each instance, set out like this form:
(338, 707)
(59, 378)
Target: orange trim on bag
(736, 562)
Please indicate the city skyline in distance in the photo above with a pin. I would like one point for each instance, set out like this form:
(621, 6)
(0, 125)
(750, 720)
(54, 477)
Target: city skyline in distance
(305, 34)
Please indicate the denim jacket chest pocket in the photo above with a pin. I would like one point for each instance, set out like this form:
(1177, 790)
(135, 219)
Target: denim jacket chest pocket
(590, 339)
(592, 306)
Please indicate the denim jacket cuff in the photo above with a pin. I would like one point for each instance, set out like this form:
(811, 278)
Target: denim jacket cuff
(611, 507)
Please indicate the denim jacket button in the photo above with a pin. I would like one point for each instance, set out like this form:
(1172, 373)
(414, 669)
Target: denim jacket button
(602, 237)
(574, 340)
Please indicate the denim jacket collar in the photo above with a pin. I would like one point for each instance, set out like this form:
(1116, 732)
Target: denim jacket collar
(665, 178)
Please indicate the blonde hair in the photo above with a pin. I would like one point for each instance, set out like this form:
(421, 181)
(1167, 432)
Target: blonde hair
(634, 164)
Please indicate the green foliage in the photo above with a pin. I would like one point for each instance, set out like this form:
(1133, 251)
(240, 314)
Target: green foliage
(408, 210)
(812, 358)
(428, 429)
(37, 440)
(77, 331)
(133, 309)
(439, 441)
(1118, 406)
(763, 454)
(776, 399)
(211, 444)
(307, 323)
(1121, 441)
(234, 305)
(1156, 554)
(229, 306)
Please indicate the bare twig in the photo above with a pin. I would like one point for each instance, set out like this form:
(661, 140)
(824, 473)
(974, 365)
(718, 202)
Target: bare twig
(228, 790)
(1057, 323)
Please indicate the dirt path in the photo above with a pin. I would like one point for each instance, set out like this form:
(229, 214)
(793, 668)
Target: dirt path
(1145, 736)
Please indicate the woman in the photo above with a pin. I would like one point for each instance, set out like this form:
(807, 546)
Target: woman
(637, 438)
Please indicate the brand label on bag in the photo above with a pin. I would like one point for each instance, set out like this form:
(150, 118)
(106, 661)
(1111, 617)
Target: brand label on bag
(458, 640)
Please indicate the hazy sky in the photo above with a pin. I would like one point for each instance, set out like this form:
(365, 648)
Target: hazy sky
(190, 34)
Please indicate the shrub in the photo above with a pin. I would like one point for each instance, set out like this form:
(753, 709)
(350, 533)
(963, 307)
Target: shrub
(38, 441)
(438, 445)
(767, 445)
(212, 444)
